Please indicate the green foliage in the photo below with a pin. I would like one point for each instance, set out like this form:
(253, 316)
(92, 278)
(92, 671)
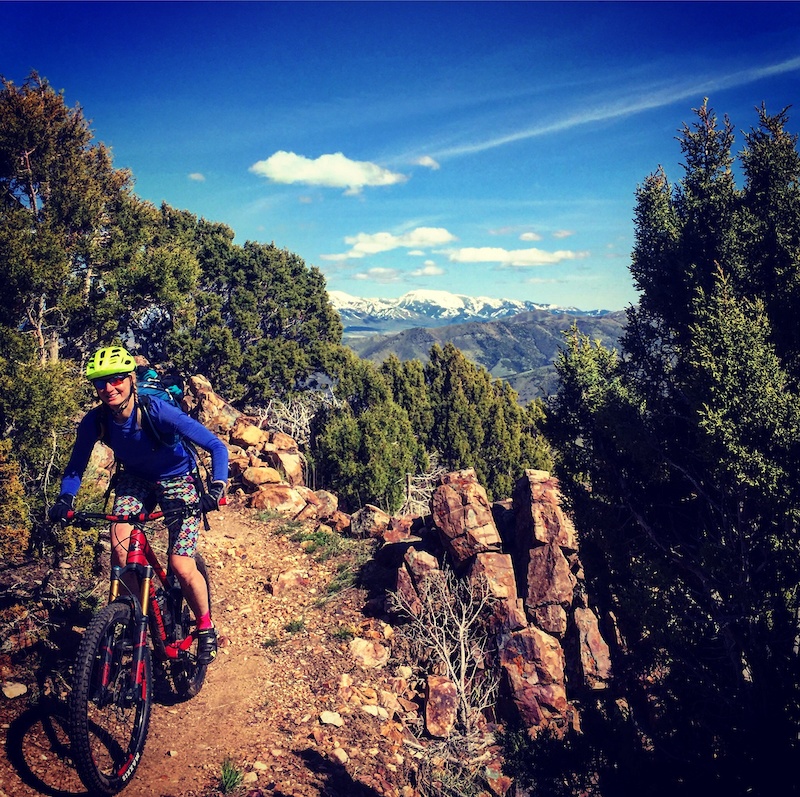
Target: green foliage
(681, 460)
(476, 422)
(14, 521)
(231, 776)
(263, 323)
(37, 403)
(364, 447)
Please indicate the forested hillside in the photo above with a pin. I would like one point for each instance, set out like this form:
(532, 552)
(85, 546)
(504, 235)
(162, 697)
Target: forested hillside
(521, 350)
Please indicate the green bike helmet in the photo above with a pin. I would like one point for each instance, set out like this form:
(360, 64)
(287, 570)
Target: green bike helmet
(108, 362)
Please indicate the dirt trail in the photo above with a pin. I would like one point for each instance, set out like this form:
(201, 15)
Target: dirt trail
(261, 703)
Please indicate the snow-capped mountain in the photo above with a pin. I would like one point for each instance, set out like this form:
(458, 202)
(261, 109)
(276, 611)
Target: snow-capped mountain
(429, 308)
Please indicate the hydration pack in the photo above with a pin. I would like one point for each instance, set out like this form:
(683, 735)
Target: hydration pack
(168, 388)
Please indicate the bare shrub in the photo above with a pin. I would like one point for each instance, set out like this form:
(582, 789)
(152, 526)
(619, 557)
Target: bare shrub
(293, 416)
(449, 635)
(419, 489)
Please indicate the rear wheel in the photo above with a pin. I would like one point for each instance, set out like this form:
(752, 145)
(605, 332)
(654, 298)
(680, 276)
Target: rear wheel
(108, 718)
(188, 675)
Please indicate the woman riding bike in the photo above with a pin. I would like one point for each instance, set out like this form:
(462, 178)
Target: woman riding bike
(151, 473)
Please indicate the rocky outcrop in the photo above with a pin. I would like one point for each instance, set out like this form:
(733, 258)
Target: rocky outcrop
(535, 578)
(267, 469)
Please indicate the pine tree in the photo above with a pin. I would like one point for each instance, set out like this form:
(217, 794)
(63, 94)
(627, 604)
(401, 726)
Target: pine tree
(681, 461)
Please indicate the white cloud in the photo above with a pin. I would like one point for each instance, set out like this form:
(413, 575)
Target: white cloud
(563, 233)
(197, 177)
(378, 274)
(530, 236)
(513, 257)
(416, 252)
(365, 244)
(429, 269)
(333, 171)
(428, 162)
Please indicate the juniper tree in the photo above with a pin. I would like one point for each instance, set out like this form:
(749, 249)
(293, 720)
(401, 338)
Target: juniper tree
(681, 461)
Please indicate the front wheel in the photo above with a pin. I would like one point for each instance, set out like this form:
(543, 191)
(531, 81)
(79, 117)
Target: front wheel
(108, 718)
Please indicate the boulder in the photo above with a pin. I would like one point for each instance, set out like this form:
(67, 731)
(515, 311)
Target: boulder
(498, 570)
(201, 402)
(420, 564)
(278, 497)
(441, 706)
(539, 518)
(369, 521)
(463, 515)
(247, 435)
(289, 463)
(533, 662)
(595, 657)
(254, 477)
(549, 580)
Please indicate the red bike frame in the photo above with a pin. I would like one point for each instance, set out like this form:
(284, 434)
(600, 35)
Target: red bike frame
(142, 560)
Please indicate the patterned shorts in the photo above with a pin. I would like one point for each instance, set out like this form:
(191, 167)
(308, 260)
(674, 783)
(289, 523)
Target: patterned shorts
(134, 495)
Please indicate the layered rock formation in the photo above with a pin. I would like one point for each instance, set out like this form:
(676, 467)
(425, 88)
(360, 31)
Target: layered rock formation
(533, 571)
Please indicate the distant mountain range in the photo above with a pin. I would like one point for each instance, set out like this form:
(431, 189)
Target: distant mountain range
(516, 341)
(427, 308)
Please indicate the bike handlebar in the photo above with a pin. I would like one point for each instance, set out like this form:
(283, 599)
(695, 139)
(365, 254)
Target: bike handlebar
(78, 516)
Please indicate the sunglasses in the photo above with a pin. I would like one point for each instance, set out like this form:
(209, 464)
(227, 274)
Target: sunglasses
(114, 381)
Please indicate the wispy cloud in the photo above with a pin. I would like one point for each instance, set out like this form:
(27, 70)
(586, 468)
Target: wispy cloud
(379, 275)
(642, 99)
(530, 236)
(197, 177)
(332, 171)
(428, 162)
(365, 244)
(524, 258)
(563, 233)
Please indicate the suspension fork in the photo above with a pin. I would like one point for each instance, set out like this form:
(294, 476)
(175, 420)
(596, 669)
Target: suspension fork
(141, 560)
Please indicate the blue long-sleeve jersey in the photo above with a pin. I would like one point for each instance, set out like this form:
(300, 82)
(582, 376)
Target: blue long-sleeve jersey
(140, 454)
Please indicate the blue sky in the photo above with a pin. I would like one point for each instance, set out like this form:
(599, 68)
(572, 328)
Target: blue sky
(490, 149)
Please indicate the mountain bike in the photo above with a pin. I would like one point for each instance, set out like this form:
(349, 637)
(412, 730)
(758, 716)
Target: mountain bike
(112, 688)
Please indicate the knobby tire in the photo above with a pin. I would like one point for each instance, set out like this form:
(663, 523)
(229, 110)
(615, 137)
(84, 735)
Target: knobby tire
(108, 725)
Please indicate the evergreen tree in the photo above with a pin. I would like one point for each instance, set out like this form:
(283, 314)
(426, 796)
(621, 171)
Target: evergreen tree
(58, 192)
(682, 465)
(477, 423)
(262, 323)
(406, 380)
(364, 447)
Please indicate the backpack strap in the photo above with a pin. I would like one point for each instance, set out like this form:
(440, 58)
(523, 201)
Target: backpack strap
(144, 420)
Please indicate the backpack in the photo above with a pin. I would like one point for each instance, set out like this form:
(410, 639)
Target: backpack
(168, 388)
